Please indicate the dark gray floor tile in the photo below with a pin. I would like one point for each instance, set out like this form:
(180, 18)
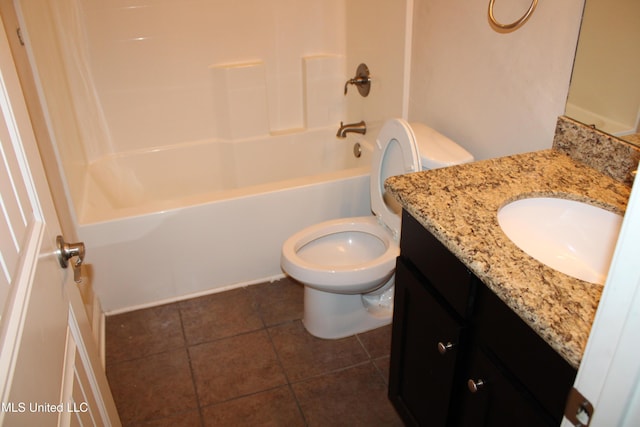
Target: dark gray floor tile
(219, 315)
(276, 407)
(143, 332)
(214, 352)
(280, 301)
(353, 397)
(235, 366)
(303, 355)
(152, 387)
(182, 419)
(377, 342)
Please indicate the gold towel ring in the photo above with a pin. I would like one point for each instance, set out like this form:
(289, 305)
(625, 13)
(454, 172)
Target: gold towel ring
(514, 25)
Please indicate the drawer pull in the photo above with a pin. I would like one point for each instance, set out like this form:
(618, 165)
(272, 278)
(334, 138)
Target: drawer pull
(475, 386)
(444, 348)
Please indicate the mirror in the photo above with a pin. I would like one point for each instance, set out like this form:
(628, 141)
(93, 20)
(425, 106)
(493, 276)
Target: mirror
(605, 85)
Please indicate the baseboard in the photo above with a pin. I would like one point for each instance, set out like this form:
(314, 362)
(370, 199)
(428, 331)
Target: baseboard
(195, 295)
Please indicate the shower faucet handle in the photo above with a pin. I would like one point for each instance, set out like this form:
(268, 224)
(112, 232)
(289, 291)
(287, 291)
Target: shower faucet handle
(362, 80)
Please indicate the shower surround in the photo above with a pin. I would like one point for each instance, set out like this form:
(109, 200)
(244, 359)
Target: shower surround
(135, 89)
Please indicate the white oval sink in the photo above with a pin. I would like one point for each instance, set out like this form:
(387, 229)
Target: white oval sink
(575, 238)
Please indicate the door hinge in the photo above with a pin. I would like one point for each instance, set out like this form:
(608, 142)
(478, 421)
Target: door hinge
(578, 410)
(19, 32)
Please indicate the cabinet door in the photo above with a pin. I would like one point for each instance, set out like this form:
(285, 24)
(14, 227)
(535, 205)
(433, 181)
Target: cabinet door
(493, 399)
(523, 353)
(421, 377)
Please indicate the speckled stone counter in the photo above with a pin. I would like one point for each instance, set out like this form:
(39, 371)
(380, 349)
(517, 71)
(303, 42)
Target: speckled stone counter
(612, 156)
(459, 206)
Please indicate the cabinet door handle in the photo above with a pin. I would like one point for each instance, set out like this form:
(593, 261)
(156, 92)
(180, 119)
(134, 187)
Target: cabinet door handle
(443, 348)
(475, 385)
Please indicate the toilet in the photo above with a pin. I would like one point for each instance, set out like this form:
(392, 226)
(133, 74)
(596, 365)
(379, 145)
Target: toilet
(347, 265)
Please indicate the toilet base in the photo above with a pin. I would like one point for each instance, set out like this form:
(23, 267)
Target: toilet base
(328, 315)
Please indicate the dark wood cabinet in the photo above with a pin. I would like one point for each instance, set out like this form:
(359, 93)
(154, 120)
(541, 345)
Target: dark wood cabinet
(498, 399)
(422, 378)
(459, 355)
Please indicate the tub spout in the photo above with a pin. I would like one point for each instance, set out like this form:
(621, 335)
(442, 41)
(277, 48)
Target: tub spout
(360, 127)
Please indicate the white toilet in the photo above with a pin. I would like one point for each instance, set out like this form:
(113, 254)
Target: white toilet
(347, 265)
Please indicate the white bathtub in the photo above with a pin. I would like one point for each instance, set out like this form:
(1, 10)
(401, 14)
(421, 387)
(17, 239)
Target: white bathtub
(164, 225)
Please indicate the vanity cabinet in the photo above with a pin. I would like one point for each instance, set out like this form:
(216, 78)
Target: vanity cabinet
(461, 356)
(425, 366)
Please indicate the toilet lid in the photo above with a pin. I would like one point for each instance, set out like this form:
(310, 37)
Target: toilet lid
(395, 153)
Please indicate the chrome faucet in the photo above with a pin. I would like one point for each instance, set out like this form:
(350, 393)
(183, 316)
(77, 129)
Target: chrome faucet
(360, 127)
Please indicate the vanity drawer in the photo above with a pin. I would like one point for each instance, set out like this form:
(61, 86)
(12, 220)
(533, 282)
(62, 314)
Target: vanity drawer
(441, 268)
(523, 353)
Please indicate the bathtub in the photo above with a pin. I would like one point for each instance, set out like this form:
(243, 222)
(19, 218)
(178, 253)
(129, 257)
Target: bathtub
(164, 225)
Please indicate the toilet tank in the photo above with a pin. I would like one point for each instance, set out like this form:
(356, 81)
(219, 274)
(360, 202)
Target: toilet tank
(436, 150)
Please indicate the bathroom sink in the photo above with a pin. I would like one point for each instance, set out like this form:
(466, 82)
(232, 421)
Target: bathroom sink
(575, 238)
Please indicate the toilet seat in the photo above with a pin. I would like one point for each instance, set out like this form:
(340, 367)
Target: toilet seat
(395, 153)
(348, 278)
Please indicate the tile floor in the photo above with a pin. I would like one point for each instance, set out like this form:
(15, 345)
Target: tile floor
(243, 358)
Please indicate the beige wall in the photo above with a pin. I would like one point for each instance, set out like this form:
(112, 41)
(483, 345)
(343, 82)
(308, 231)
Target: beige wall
(376, 33)
(496, 94)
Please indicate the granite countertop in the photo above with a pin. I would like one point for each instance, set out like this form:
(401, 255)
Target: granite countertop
(459, 206)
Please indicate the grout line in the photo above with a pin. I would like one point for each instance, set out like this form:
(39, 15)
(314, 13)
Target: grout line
(364, 347)
(284, 372)
(226, 337)
(192, 375)
(334, 371)
(145, 356)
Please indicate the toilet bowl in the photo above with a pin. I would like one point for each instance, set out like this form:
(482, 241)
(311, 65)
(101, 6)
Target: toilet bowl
(347, 265)
(344, 256)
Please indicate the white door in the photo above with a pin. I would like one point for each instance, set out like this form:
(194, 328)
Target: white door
(609, 375)
(50, 372)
